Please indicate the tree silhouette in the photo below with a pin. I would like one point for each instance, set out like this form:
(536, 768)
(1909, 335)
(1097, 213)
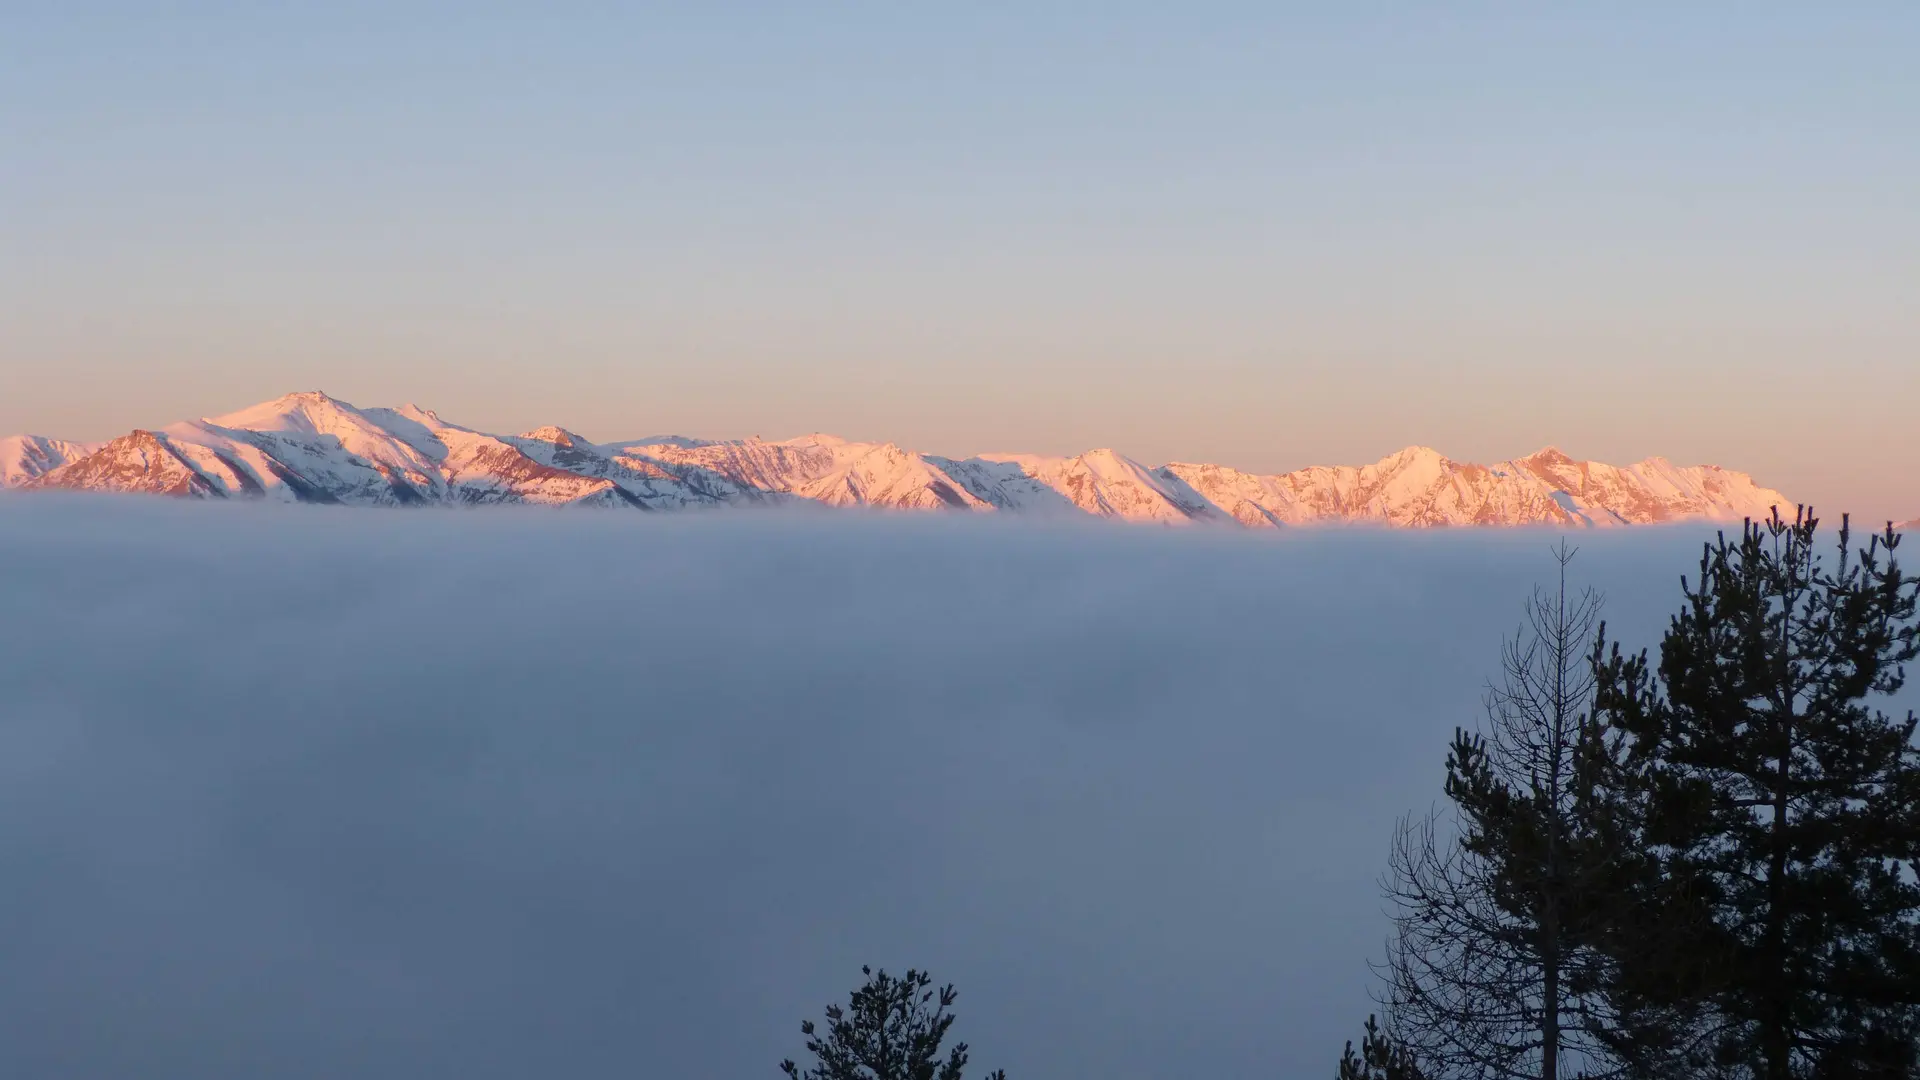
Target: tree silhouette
(1380, 1058)
(1492, 971)
(891, 1029)
(1781, 807)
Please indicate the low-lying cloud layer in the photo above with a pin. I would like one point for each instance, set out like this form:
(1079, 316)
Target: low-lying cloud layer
(311, 793)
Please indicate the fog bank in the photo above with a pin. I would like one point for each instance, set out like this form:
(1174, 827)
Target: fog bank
(318, 793)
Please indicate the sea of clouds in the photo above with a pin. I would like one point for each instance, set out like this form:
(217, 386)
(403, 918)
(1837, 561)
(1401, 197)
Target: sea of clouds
(318, 793)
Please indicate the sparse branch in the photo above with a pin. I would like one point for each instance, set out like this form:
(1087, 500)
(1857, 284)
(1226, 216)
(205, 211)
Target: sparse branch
(1491, 971)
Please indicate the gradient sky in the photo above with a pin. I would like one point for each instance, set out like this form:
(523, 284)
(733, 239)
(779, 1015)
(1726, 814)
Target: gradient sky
(1261, 234)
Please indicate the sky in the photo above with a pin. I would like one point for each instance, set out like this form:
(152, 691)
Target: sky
(312, 792)
(1261, 234)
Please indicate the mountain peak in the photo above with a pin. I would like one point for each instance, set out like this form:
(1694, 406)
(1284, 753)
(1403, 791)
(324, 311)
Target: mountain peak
(309, 399)
(1416, 452)
(558, 436)
(28, 457)
(1106, 455)
(419, 415)
(307, 411)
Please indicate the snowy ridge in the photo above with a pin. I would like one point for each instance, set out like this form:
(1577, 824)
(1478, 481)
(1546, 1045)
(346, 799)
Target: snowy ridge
(309, 447)
(26, 457)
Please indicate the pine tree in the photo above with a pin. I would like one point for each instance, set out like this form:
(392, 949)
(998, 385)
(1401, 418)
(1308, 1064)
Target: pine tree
(1782, 934)
(1380, 1058)
(891, 1030)
(1493, 971)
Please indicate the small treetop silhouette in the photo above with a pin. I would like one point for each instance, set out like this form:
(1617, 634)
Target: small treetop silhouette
(891, 1029)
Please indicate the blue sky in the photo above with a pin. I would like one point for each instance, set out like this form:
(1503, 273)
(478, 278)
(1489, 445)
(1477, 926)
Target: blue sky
(1263, 234)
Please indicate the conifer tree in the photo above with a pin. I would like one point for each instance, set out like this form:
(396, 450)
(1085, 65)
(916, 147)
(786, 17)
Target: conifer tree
(1782, 808)
(891, 1029)
(1380, 1058)
(1493, 971)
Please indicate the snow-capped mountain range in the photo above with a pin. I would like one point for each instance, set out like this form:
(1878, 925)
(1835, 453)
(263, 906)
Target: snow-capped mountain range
(308, 447)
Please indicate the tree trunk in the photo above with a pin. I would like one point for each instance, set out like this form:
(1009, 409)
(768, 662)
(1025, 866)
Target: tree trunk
(1779, 1040)
(1550, 1006)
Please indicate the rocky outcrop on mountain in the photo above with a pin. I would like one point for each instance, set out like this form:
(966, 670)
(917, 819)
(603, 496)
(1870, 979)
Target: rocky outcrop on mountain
(138, 463)
(309, 447)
